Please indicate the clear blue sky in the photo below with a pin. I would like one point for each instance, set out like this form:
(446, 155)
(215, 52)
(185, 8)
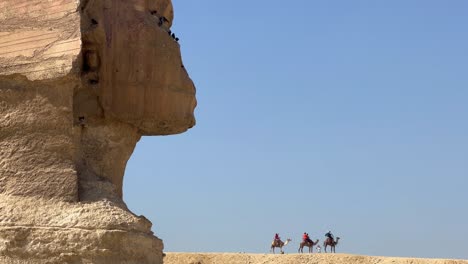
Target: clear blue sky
(316, 115)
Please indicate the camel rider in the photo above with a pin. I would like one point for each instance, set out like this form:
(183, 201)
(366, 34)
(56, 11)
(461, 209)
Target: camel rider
(330, 235)
(306, 238)
(277, 238)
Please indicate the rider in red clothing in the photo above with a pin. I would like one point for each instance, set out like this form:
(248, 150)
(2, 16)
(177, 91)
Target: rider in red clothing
(306, 238)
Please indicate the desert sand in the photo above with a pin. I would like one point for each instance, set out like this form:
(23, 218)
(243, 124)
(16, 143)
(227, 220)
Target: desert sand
(240, 258)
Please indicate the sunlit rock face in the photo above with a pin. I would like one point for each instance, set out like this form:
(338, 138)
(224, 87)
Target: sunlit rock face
(135, 67)
(80, 83)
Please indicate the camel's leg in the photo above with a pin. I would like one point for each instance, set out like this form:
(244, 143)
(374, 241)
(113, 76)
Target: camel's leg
(325, 248)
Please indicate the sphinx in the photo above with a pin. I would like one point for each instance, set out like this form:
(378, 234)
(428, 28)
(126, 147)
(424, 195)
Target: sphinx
(80, 83)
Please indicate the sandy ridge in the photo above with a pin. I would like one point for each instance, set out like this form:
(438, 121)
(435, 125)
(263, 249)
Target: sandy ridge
(233, 258)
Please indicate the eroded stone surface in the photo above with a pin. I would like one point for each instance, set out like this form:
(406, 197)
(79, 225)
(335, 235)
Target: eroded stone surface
(80, 83)
(132, 63)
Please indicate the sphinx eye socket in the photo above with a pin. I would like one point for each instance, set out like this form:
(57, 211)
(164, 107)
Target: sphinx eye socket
(94, 22)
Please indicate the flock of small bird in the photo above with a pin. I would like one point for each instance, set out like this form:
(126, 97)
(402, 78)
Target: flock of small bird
(161, 22)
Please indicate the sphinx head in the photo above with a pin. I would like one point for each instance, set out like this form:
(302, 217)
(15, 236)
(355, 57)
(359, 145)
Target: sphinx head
(133, 83)
(133, 66)
(74, 106)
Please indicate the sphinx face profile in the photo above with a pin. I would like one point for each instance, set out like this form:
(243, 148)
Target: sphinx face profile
(134, 66)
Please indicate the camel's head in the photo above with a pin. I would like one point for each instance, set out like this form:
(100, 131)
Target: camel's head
(287, 241)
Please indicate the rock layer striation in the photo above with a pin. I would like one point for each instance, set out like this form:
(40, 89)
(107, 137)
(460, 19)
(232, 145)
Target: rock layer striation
(80, 83)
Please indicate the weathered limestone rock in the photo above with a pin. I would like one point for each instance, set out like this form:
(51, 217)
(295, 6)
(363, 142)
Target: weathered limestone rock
(80, 83)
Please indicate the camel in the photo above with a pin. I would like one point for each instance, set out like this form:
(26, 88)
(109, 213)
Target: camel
(308, 244)
(330, 242)
(279, 244)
